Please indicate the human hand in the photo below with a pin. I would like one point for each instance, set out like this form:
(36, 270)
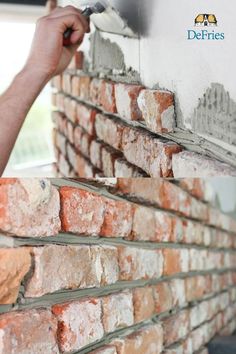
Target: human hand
(48, 54)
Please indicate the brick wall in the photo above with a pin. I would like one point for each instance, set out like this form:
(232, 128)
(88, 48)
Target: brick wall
(114, 266)
(108, 128)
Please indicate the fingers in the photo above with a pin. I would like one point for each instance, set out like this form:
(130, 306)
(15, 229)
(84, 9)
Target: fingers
(70, 11)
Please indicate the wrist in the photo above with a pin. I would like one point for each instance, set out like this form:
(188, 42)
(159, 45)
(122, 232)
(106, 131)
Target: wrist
(36, 75)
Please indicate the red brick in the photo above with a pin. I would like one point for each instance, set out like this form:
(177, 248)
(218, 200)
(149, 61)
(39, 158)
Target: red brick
(70, 132)
(175, 199)
(144, 306)
(152, 155)
(158, 110)
(60, 142)
(191, 164)
(107, 96)
(86, 118)
(96, 153)
(82, 212)
(138, 263)
(124, 169)
(31, 331)
(176, 327)
(178, 292)
(75, 83)
(94, 266)
(117, 311)
(72, 156)
(195, 186)
(75, 332)
(70, 109)
(60, 102)
(64, 167)
(148, 189)
(117, 219)
(147, 340)
(126, 101)
(29, 208)
(95, 91)
(77, 61)
(84, 168)
(60, 121)
(109, 131)
(84, 83)
(159, 225)
(163, 297)
(175, 261)
(14, 265)
(109, 156)
(57, 82)
(197, 287)
(66, 83)
(54, 99)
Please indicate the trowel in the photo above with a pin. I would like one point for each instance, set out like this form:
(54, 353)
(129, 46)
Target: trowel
(106, 18)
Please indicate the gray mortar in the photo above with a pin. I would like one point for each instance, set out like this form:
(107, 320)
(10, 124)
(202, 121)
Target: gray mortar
(108, 60)
(215, 114)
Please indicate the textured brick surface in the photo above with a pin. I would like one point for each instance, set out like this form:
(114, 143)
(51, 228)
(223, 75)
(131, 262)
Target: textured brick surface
(126, 101)
(75, 332)
(140, 266)
(14, 265)
(32, 331)
(158, 110)
(29, 207)
(81, 211)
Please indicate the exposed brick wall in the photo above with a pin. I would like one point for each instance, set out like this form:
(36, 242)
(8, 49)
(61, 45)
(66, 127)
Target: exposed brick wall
(114, 267)
(105, 128)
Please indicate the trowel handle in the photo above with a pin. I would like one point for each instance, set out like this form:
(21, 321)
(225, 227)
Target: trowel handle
(86, 13)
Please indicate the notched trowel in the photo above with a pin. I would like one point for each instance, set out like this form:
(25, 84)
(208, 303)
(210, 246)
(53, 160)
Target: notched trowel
(106, 18)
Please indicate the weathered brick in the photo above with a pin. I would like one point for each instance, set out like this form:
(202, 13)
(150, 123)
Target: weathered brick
(163, 297)
(96, 153)
(31, 331)
(138, 263)
(95, 91)
(66, 83)
(109, 156)
(117, 311)
(60, 102)
(84, 168)
(109, 130)
(117, 219)
(191, 164)
(176, 327)
(86, 118)
(82, 212)
(175, 261)
(178, 292)
(75, 83)
(144, 306)
(57, 82)
(151, 154)
(29, 208)
(197, 287)
(147, 340)
(70, 109)
(84, 83)
(124, 169)
(158, 110)
(64, 167)
(126, 101)
(159, 225)
(14, 265)
(94, 265)
(107, 96)
(75, 332)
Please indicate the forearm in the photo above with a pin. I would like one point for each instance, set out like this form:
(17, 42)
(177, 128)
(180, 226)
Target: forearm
(15, 104)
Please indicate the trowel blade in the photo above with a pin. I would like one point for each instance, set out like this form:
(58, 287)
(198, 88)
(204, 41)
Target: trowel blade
(111, 21)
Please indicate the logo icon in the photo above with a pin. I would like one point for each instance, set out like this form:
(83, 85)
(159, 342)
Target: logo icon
(206, 20)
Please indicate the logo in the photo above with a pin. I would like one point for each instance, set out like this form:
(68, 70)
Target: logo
(205, 20)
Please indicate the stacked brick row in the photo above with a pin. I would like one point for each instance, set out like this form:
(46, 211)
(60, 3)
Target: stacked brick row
(111, 129)
(87, 267)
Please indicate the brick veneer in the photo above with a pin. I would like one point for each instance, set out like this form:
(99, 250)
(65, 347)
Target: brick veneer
(114, 266)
